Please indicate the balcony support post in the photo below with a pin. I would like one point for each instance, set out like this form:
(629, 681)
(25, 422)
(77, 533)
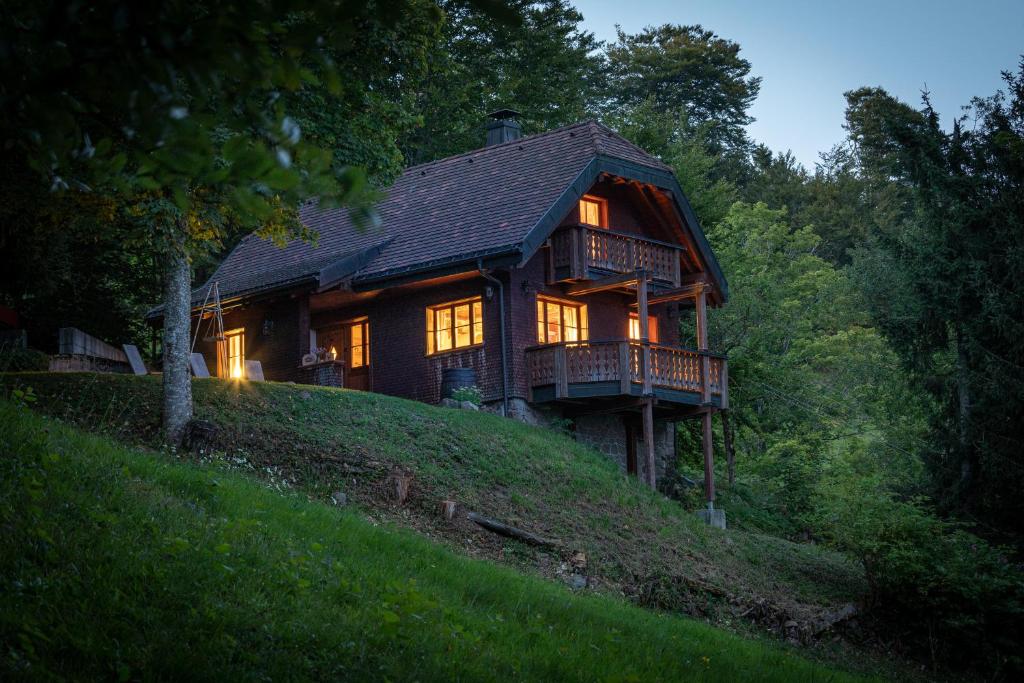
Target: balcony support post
(649, 465)
(709, 465)
(702, 346)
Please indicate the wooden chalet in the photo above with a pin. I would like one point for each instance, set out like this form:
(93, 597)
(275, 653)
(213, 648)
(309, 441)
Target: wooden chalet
(555, 266)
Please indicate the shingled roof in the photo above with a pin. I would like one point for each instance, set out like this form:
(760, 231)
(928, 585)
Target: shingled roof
(488, 202)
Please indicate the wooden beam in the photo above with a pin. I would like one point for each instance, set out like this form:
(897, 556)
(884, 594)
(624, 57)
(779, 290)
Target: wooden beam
(625, 372)
(602, 285)
(709, 465)
(648, 419)
(702, 346)
(677, 294)
(645, 340)
(561, 373)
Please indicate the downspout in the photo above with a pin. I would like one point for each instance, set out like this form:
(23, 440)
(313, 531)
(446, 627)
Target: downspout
(501, 326)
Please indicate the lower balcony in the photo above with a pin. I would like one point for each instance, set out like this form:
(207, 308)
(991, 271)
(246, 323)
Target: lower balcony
(598, 369)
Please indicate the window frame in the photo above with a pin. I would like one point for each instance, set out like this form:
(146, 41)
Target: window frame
(475, 325)
(363, 322)
(582, 320)
(602, 211)
(652, 328)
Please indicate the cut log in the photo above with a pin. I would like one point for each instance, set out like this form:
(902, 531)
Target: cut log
(448, 509)
(511, 531)
(400, 482)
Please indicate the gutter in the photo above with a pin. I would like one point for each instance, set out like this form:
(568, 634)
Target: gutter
(501, 326)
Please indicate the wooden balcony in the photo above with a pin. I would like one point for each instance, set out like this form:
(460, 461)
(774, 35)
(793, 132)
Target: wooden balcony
(582, 252)
(595, 369)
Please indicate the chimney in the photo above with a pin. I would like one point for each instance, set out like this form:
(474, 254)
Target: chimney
(503, 127)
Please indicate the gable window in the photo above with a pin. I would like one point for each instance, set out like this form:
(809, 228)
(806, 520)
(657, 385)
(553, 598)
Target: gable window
(559, 321)
(455, 325)
(233, 354)
(652, 327)
(594, 211)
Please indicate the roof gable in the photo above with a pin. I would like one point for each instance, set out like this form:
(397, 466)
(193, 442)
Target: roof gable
(499, 200)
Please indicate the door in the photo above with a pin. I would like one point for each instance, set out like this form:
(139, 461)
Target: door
(356, 340)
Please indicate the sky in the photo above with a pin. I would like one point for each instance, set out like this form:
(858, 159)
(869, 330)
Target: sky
(809, 53)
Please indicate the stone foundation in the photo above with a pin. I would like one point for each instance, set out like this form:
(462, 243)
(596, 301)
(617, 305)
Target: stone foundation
(604, 433)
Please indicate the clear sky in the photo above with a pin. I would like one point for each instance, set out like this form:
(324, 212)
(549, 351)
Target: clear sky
(809, 53)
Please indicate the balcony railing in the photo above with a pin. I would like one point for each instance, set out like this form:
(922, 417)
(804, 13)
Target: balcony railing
(618, 366)
(582, 253)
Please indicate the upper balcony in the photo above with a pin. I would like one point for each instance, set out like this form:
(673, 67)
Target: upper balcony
(583, 252)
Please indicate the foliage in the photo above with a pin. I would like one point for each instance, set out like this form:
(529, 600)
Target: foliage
(947, 592)
(811, 383)
(471, 394)
(185, 571)
(686, 69)
(17, 359)
(940, 271)
(543, 64)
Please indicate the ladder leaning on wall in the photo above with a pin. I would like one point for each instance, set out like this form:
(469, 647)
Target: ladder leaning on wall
(211, 309)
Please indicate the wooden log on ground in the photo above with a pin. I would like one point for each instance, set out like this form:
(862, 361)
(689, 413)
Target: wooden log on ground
(400, 482)
(511, 531)
(448, 510)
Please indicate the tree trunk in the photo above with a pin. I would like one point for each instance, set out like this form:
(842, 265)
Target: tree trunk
(730, 449)
(177, 377)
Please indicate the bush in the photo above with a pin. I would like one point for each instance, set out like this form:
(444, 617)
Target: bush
(23, 360)
(944, 591)
(471, 394)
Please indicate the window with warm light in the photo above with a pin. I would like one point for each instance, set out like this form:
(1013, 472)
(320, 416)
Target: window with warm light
(359, 344)
(559, 321)
(652, 327)
(234, 354)
(455, 325)
(593, 211)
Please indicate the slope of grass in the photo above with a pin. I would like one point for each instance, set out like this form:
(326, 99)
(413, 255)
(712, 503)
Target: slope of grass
(321, 440)
(118, 562)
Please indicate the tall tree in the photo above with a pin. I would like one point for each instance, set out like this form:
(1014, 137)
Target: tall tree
(177, 107)
(541, 63)
(942, 266)
(686, 69)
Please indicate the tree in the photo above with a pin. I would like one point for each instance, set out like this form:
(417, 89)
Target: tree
(178, 108)
(686, 69)
(541, 64)
(946, 245)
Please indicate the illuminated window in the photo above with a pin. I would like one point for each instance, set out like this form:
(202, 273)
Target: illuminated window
(652, 327)
(559, 321)
(593, 211)
(359, 344)
(455, 325)
(234, 354)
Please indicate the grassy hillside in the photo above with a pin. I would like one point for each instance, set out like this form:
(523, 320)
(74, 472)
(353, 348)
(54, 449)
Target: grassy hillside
(322, 440)
(117, 562)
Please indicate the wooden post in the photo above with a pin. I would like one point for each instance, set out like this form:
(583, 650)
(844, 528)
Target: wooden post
(709, 464)
(304, 326)
(645, 342)
(649, 443)
(702, 346)
(625, 372)
(561, 372)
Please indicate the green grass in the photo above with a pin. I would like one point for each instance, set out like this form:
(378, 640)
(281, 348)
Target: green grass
(124, 563)
(321, 440)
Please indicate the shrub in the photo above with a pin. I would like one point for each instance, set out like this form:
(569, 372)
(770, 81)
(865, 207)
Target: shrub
(943, 590)
(471, 394)
(15, 359)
